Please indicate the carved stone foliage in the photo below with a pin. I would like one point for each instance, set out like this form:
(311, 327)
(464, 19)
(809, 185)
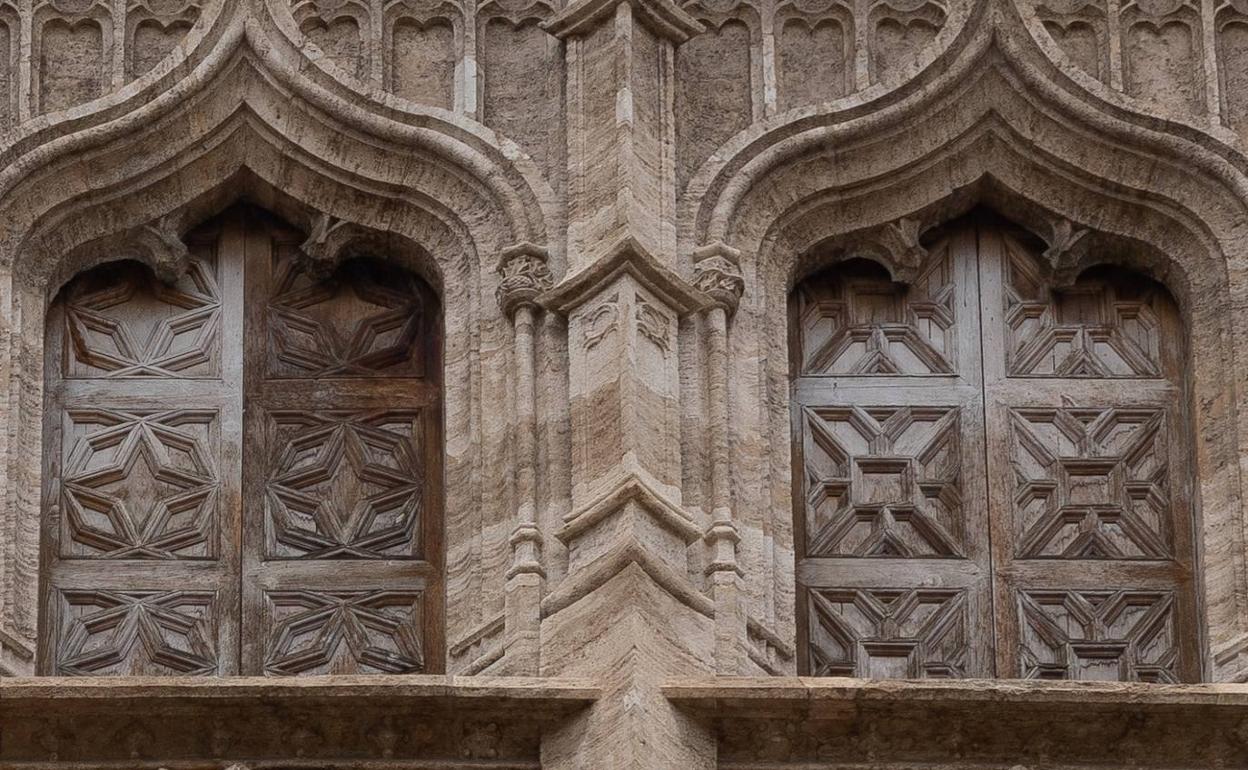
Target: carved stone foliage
(1114, 635)
(140, 484)
(344, 632)
(893, 633)
(523, 275)
(344, 484)
(139, 326)
(344, 328)
(136, 632)
(1092, 483)
(857, 321)
(883, 481)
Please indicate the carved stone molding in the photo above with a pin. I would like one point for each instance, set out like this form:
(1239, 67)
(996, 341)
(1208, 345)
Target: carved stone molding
(525, 275)
(160, 246)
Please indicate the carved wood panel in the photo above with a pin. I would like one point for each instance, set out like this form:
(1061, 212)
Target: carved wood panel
(918, 409)
(342, 505)
(142, 469)
(1088, 472)
(892, 533)
(316, 509)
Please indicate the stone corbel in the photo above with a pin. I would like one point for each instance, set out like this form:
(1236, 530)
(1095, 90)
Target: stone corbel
(895, 244)
(162, 249)
(1064, 258)
(319, 254)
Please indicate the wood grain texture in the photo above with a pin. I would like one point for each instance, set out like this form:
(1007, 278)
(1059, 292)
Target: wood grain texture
(1037, 436)
(229, 442)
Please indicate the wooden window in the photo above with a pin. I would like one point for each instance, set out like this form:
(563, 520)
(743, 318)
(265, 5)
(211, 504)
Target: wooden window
(243, 469)
(991, 477)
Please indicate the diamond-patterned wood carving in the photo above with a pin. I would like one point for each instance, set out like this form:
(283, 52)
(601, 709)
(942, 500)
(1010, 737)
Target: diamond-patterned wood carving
(1096, 328)
(344, 632)
(1098, 635)
(345, 484)
(139, 633)
(121, 321)
(1091, 483)
(359, 322)
(883, 632)
(855, 320)
(140, 484)
(882, 481)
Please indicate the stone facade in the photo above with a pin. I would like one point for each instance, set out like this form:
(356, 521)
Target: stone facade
(618, 205)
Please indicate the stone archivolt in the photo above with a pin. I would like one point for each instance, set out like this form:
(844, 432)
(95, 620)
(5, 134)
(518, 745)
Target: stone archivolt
(615, 203)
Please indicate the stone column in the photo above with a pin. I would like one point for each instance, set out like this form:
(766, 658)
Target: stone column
(524, 276)
(717, 273)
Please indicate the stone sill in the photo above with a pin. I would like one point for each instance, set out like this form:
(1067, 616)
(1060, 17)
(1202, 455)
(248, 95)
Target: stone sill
(791, 723)
(561, 695)
(374, 722)
(810, 695)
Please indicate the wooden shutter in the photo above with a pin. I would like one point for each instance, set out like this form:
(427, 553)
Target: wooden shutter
(342, 558)
(250, 437)
(1089, 465)
(142, 468)
(892, 535)
(1079, 509)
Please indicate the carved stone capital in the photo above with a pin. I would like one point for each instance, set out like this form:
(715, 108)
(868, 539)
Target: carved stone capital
(717, 272)
(525, 274)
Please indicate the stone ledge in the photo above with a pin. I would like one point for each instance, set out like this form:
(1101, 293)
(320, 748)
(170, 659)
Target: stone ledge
(788, 723)
(762, 695)
(323, 722)
(561, 694)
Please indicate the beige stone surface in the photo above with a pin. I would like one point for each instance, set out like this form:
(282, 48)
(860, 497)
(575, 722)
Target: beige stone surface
(613, 201)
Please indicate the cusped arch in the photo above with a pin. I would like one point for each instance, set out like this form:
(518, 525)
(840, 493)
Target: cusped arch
(1096, 183)
(250, 58)
(351, 197)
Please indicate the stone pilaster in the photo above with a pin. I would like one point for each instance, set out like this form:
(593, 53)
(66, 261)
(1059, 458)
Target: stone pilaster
(628, 609)
(621, 156)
